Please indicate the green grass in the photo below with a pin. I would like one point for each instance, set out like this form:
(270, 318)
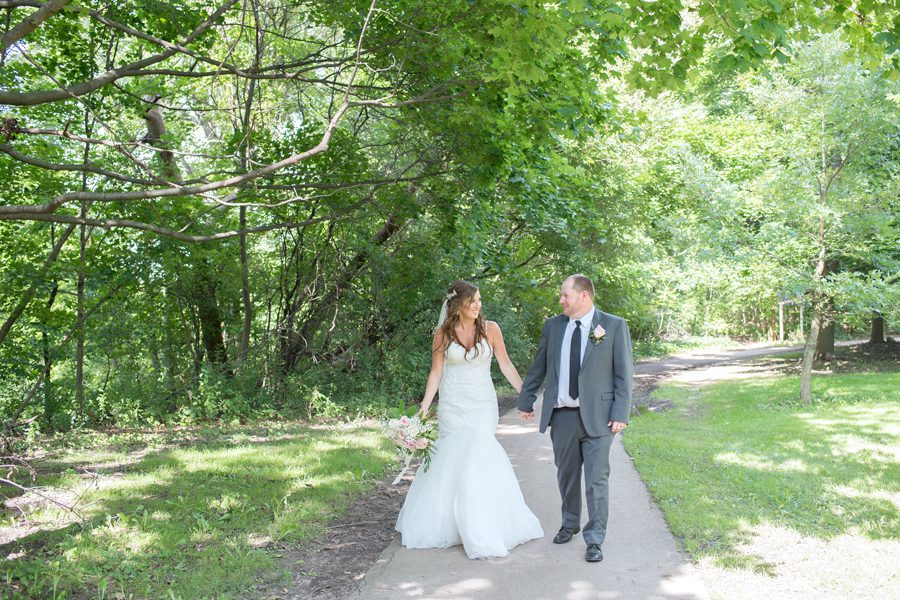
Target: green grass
(189, 520)
(740, 455)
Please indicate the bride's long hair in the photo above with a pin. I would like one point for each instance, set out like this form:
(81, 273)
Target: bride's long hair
(460, 294)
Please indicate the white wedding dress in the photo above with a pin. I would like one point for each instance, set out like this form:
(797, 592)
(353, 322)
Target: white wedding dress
(469, 494)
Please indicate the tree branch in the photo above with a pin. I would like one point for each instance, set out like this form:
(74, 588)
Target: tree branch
(31, 22)
(28, 296)
(13, 4)
(84, 168)
(45, 370)
(32, 212)
(80, 89)
(255, 72)
(179, 235)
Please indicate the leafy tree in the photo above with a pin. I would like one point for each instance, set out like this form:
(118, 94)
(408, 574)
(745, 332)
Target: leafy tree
(231, 204)
(834, 118)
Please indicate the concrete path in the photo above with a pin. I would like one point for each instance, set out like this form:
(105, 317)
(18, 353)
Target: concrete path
(641, 559)
(699, 358)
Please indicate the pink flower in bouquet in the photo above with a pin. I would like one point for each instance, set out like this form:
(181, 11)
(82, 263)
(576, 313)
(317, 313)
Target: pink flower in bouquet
(413, 437)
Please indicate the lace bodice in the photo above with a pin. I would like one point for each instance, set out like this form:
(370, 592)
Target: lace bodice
(461, 366)
(467, 397)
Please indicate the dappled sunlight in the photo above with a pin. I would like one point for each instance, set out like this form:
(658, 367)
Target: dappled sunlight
(87, 496)
(162, 517)
(124, 536)
(466, 586)
(515, 429)
(97, 461)
(744, 457)
(754, 461)
(201, 536)
(258, 540)
(460, 590)
(10, 535)
(766, 563)
(853, 443)
(877, 494)
(226, 503)
(846, 420)
(585, 590)
(750, 373)
(562, 584)
(793, 445)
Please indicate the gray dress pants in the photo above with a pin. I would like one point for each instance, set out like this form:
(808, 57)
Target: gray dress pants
(574, 452)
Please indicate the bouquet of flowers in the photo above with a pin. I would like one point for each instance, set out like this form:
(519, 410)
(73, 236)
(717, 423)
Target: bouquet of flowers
(414, 437)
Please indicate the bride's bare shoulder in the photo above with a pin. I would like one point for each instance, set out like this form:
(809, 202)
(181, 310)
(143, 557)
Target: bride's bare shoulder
(491, 327)
(439, 341)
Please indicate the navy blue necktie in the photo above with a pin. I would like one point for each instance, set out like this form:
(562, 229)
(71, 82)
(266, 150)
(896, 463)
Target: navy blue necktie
(574, 361)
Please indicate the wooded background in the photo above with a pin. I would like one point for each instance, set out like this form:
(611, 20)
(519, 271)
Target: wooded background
(252, 208)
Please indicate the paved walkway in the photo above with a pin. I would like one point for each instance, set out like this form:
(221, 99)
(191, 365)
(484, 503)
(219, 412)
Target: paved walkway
(641, 559)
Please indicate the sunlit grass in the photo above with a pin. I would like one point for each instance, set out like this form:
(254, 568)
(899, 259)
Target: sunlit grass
(191, 518)
(740, 455)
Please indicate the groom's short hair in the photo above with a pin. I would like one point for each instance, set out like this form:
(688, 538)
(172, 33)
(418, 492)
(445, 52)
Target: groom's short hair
(582, 283)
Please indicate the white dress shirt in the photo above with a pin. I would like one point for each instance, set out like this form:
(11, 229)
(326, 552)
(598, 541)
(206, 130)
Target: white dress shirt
(564, 400)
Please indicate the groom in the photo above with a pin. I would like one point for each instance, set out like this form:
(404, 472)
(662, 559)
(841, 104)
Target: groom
(584, 357)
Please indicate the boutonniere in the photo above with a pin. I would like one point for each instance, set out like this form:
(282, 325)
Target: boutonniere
(597, 335)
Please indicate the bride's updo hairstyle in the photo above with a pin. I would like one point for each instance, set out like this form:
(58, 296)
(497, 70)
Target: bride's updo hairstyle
(460, 294)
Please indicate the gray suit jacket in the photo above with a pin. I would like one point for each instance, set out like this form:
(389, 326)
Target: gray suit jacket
(604, 382)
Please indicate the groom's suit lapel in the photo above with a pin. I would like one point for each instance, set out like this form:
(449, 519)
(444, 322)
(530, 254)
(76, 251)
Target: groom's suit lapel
(556, 342)
(598, 317)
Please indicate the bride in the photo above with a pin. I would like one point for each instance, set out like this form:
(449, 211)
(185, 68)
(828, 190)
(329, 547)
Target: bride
(469, 495)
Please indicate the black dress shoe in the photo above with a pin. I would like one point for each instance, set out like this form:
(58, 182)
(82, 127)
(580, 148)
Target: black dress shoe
(565, 534)
(593, 553)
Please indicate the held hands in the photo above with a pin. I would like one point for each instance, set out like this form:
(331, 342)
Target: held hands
(526, 416)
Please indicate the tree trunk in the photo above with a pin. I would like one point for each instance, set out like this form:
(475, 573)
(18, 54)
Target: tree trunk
(156, 137)
(245, 166)
(79, 312)
(245, 289)
(813, 339)
(210, 319)
(802, 317)
(825, 343)
(49, 406)
(299, 341)
(49, 400)
(29, 294)
(808, 358)
(79, 286)
(190, 326)
(780, 321)
(877, 334)
(170, 350)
